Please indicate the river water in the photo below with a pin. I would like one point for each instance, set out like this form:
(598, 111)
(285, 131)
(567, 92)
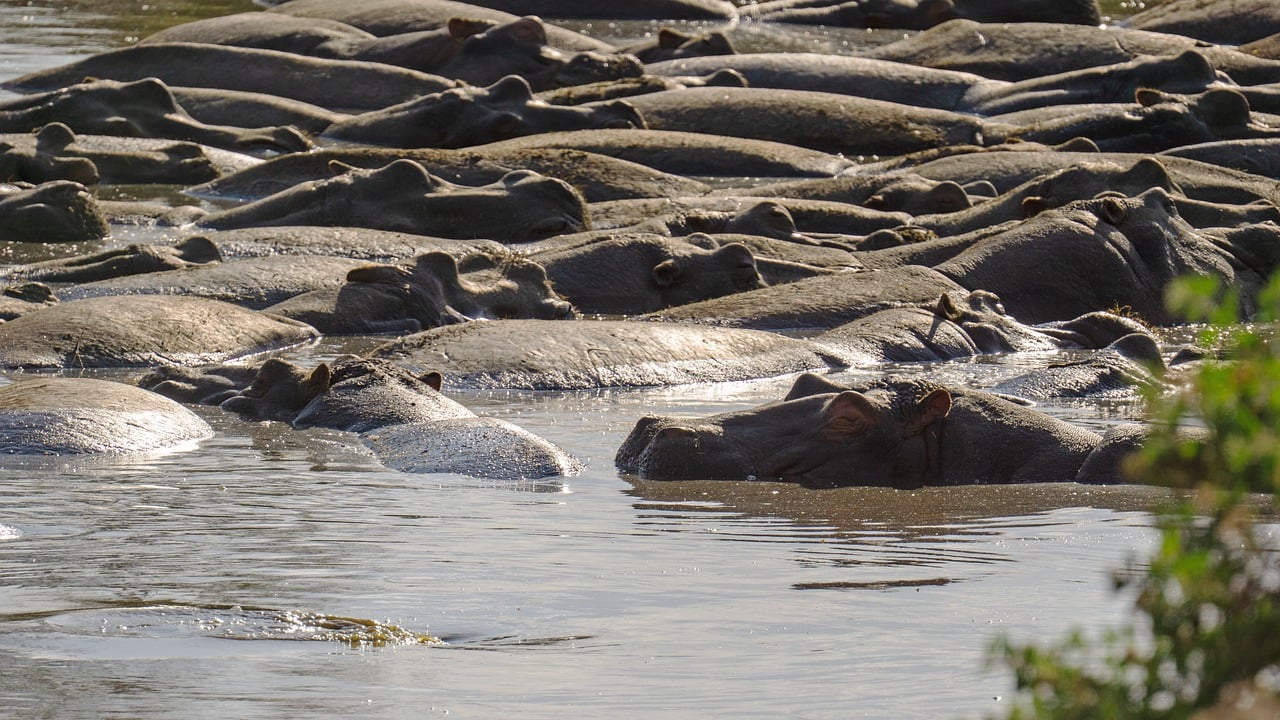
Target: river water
(212, 582)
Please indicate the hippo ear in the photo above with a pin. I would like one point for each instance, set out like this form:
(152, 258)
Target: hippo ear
(1149, 172)
(337, 167)
(667, 272)
(198, 249)
(527, 29)
(849, 415)
(462, 28)
(432, 379)
(810, 384)
(1146, 97)
(318, 381)
(1223, 108)
(947, 197)
(440, 265)
(54, 137)
(933, 408)
(946, 308)
(669, 39)
(1033, 205)
(702, 240)
(511, 87)
(386, 274)
(1112, 210)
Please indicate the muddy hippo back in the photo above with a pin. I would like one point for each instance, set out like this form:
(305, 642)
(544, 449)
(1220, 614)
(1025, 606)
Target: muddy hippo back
(77, 416)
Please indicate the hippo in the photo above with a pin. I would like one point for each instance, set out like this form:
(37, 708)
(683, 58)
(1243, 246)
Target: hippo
(820, 121)
(899, 191)
(404, 197)
(115, 162)
(590, 354)
(254, 282)
(1158, 121)
(476, 115)
(842, 75)
(903, 434)
(903, 14)
(639, 85)
(23, 298)
(52, 212)
(142, 331)
(430, 293)
(37, 164)
(633, 10)
(598, 177)
(349, 84)
(688, 153)
(672, 44)
(782, 219)
(973, 324)
(818, 303)
(1095, 254)
(403, 418)
(360, 243)
(1224, 22)
(140, 108)
(472, 51)
(220, 106)
(1119, 371)
(81, 416)
(626, 274)
(132, 259)
(1256, 157)
(396, 17)
(1012, 52)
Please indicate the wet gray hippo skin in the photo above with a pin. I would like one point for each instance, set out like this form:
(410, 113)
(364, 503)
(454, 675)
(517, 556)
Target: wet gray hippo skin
(403, 418)
(51, 212)
(131, 259)
(473, 51)
(800, 221)
(140, 108)
(640, 85)
(360, 243)
(249, 282)
(902, 434)
(142, 331)
(634, 10)
(632, 274)
(430, 293)
(1096, 254)
(476, 115)
(586, 354)
(80, 416)
(820, 121)
(23, 298)
(349, 85)
(1227, 22)
(404, 197)
(395, 17)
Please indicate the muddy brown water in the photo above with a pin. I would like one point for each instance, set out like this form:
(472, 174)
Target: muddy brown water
(271, 573)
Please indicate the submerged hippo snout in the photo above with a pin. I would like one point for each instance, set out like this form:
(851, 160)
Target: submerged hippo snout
(671, 449)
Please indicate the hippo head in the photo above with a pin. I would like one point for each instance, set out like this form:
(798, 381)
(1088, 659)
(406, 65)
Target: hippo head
(1089, 179)
(46, 163)
(916, 195)
(768, 219)
(821, 435)
(279, 390)
(465, 116)
(432, 293)
(58, 211)
(982, 317)
(672, 44)
(487, 53)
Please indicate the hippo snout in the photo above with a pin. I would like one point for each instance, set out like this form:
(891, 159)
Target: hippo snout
(669, 449)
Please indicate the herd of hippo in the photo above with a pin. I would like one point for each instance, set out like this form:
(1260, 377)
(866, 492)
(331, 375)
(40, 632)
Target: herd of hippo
(518, 205)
